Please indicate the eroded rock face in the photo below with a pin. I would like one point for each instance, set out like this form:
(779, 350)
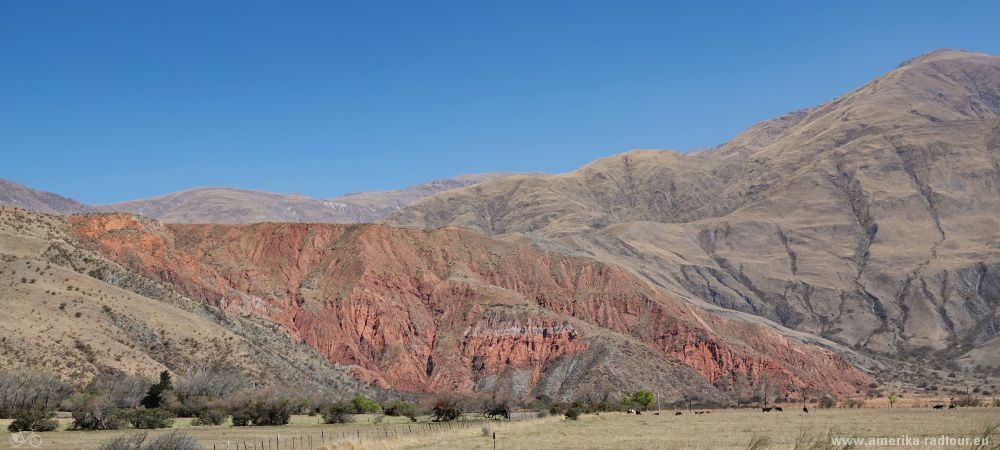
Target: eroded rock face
(450, 310)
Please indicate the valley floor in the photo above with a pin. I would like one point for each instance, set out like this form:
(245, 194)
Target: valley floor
(721, 429)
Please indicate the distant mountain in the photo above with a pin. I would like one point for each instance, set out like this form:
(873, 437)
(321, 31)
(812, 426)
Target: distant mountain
(235, 206)
(872, 220)
(19, 196)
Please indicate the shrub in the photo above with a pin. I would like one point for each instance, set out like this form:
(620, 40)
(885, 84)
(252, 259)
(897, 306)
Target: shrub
(401, 408)
(338, 413)
(33, 420)
(95, 412)
(211, 416)
(150, 418)
(364, 405)
(445, 410)
(175, 440)
(827, 402)
(265, 411)
(967, 401)
(854, 403)
(498, 411)
(572, 414)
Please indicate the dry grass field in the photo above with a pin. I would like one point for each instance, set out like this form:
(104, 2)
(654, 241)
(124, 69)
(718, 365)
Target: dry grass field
(721, 429)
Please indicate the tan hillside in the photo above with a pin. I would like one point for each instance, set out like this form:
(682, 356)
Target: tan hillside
(19, 196)
(873, 219)
(232, 206)
(70, 311)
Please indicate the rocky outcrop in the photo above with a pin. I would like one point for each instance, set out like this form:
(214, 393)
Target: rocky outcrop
(450, 310)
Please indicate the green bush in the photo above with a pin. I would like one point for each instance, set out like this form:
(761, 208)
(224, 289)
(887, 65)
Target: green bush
(212, 416)
(364, 405)
(401, 408)
(34, 420)
(265, 411)
(154, 396)
(339, 412)
(150, 418)
(572, 414)
(827, 402)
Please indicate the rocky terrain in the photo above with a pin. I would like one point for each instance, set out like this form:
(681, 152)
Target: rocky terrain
(872, 220)
(424, 311)
(73, 312)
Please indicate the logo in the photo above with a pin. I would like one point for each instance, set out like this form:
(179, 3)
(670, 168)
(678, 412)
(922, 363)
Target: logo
(17, 440)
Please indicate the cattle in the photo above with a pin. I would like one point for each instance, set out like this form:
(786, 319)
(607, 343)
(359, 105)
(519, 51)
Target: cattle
(631, 411)
(952, 406)
(699, 412)
(766, 409)
(678, 413)
(938, 406)
(638, 413)
(778, 409)
(656, 413)
(805, 410)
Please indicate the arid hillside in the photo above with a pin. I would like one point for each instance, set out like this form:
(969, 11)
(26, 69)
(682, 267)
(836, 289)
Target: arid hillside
(451, 310)
(75, 313)
(234, 206)
(872, 220)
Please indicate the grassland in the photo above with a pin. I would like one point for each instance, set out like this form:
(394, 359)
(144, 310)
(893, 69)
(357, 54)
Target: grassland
(721, 429)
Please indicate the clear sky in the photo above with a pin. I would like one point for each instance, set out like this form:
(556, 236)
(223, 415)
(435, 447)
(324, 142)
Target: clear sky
(106, 101)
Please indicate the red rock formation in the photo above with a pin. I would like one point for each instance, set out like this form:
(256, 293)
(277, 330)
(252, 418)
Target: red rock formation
(437, 310)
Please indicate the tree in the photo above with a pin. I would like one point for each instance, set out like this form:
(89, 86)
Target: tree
(154, 396)
(892, 399)
(644, 398)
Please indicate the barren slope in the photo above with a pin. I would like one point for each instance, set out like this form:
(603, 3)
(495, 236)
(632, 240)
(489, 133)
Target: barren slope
(232, 206)
(873, 219)
(75, 313)
(19, 196)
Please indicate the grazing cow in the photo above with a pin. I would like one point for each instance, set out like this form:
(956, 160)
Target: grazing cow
(656, 413)
(952, 406)
(638, 413)
(631, 411)
(778, 409)
(699, 412)
(766, 409)
(678, 413)
(938, 406)
(805, 410)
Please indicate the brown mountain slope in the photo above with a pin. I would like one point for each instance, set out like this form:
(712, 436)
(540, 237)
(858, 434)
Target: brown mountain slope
(871, 219)
(70, 311)
(232, 206)
(454, 311)
(19, 196)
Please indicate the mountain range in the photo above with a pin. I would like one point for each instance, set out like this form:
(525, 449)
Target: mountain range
(810, 253)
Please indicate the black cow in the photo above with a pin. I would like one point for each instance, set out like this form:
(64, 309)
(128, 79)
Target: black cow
(766, 409)
(778, 409)
(938, 406)
(678, 413)
(952, 406)
(805, 410)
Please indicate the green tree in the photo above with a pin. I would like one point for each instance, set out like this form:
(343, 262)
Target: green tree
(892, 399)
(154, 396)
(641, 397)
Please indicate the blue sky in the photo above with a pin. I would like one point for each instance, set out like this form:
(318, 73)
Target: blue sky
(106, 101)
